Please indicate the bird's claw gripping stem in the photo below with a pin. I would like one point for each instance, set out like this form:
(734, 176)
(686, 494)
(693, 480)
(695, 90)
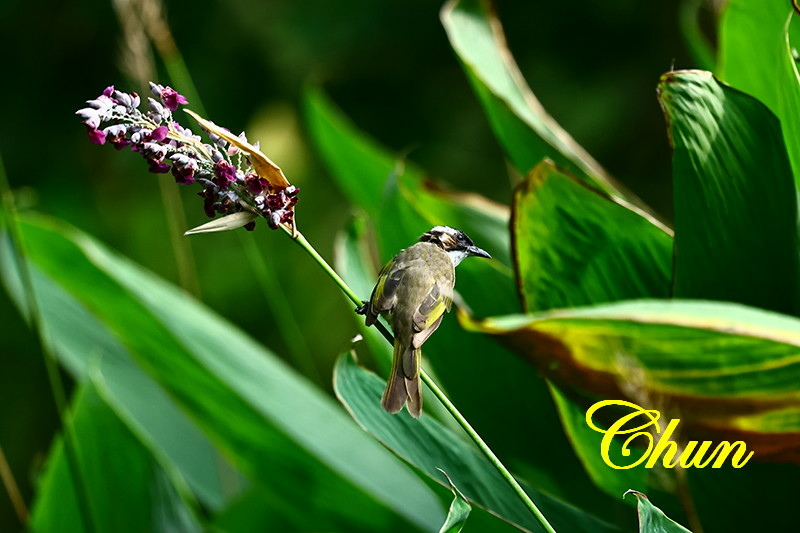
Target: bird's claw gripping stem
(362, 309)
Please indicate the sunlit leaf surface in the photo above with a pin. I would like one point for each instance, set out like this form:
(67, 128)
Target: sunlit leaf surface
(430, 446)
(735, 200)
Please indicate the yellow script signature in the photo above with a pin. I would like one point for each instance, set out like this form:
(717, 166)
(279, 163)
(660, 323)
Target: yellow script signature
(693, 455)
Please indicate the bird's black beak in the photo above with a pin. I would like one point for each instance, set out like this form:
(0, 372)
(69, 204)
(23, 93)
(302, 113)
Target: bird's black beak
(477, 252)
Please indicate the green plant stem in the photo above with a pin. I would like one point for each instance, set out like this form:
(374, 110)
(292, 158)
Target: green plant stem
(454, 412)
(50, 362)
(484, 448)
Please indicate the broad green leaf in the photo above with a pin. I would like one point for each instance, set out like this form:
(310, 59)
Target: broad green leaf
(729, 372)
(124, 488)
(586, 443)
(755, 56)
(575, 247)
(173, 439)
(267, 419)
(519, 121)
(359, 165)
(78, 338)
(429, 446)
(735, 201)
(652, 519)
(459, 510)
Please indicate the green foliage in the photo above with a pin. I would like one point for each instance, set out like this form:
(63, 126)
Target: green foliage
(268, 420)
(126, 488)
(429, 446)
(520, 123)
(734, 194)
(619, 254)
(652, 519)
(181, 421)
(756, 56)
(459, 510)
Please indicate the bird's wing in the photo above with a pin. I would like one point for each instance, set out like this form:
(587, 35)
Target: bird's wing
(428, 315)
(384, 295)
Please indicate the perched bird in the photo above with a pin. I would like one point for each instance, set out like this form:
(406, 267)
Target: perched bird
(415, 288)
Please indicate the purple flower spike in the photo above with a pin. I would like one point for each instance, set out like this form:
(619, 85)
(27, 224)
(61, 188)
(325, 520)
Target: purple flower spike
(256, 184)
(183, 175)
(224, 174)
(159, 134)
(172, 99)
(157, 167)
(96, 136)
(230, 185)
(116, 135)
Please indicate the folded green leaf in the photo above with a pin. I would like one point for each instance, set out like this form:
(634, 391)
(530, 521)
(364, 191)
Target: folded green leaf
(735, 201)
(755, 56)
(574, 246)
(652, 519)
(459, 509)
(729, 372)
(429, 446)
(519, 121)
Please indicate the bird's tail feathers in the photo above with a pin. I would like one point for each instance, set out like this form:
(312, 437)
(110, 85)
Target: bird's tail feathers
(402, 387)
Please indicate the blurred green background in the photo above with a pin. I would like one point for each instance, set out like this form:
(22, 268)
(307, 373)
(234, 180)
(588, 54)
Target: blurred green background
(594, 66)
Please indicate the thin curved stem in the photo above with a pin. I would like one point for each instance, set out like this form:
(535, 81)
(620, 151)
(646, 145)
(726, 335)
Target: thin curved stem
(454, 412)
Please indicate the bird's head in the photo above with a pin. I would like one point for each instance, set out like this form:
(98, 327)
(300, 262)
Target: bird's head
(455, 242)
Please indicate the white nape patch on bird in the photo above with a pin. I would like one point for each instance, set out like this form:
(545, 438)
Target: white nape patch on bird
(456, 256)
(442, 229)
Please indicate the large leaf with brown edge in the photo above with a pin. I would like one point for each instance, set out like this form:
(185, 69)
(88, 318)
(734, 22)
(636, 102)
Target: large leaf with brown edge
(735, 198)
(573, 246)
(729, 372)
